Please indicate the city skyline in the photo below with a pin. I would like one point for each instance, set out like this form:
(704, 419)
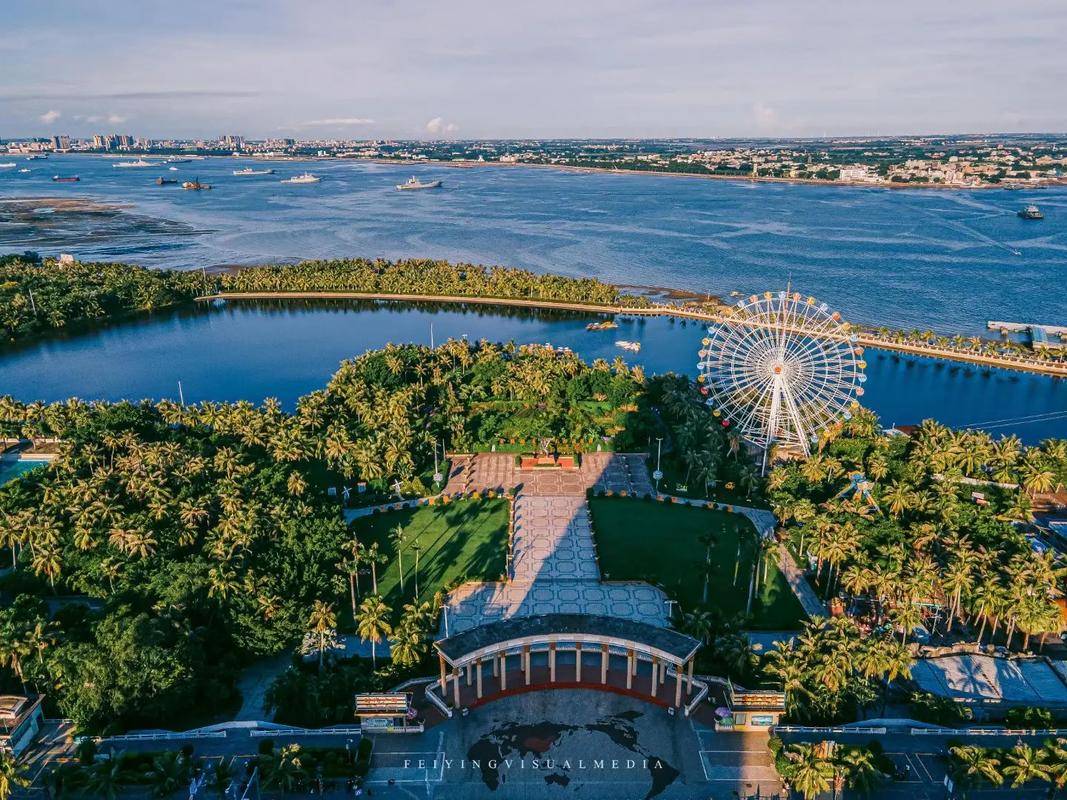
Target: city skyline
(472, 71)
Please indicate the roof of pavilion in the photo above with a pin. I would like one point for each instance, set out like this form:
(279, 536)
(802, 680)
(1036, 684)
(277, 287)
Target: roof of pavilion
(567, 627)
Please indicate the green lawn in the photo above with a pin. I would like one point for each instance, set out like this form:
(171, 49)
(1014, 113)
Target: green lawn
(464, 540)
(660, 543)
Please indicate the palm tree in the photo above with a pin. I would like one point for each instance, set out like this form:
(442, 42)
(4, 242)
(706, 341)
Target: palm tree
(373, 624)
(813, 772)
(105, 777)
(285, 770)
(169, 773)
(375, 557)
(322, 623)
(1025, 763)
(861, 773)
(12, 774)
(972, 763)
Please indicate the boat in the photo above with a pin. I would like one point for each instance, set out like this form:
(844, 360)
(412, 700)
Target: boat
(605, 325)
(177, 161)
(173, 169)
(66, 178)
(138, 163)
(1031, 212)
(633, 347)
(37, 157)
(8, 165)
(414, 183)
(307, 177)
(166, 181)
(250, 171)
(196, 185)
(24, 169)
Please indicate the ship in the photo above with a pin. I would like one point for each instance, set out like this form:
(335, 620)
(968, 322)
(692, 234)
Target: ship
(37, 157)
(196, 185)
(66, 178)
(177, 161)
(1031, 212)
(414, 183)
(307, 177)
(138, 163)
(166, 181)
(250, 171)
(8, 165)
(606, 325)
(633, 347)
(24, 169)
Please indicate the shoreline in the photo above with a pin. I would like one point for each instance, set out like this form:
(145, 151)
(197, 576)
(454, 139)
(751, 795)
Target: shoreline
(865, 339)
(472, 164)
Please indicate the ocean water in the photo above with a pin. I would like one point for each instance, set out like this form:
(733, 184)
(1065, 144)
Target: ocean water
(945, 259)
(243, 350)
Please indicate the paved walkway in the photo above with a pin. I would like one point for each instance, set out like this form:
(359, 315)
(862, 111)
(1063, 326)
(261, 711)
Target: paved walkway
(552, 565)
(794, 575)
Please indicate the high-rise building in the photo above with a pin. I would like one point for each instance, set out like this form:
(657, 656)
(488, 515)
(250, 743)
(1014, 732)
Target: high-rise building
(60, 142)
(123, 140)
(233, 142)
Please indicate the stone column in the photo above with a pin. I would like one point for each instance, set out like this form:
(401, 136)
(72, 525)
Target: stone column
(662, 672)
(455, 687)
(469, 671)
(634, 664)
(655, 671)
(526, 659)
(551, 662)
(444, 677)
(496, 666)
(578, 662)
(504, 672)
(478, 692)
(630, 658)
(677, 685)
(604, 656)
(690, 676)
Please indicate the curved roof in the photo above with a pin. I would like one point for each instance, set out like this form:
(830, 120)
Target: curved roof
(493, 637)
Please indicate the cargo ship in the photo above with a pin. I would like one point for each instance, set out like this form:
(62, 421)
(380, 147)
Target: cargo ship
(414, 183)
(250, 171)
(66, 178)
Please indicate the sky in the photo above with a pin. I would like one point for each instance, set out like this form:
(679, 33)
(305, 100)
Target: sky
(470, 69)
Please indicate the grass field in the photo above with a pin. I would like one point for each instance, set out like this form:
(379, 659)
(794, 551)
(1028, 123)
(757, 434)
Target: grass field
(660, 543)
(464, 540)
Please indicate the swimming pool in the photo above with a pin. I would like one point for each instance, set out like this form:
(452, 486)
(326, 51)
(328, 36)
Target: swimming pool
(10, 469)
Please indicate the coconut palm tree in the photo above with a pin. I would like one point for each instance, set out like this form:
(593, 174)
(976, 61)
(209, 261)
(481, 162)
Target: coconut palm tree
(813, 773)
(397, 538)
(373, 624)
(12, 774)
(1024, 763)
(322, 624)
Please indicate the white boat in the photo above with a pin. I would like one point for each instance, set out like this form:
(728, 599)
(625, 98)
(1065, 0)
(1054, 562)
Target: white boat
(250, 171)
(138, 163)
(173, 169)
(633, 347)
(24, 169)
(414, 183)
(307, 177)
(177, 161)
(8, 165)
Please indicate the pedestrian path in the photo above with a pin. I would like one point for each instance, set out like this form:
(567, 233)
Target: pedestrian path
(552, 560)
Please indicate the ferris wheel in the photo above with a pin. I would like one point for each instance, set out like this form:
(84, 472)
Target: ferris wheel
(780, 367)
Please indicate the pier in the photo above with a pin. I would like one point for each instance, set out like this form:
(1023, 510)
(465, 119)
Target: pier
(864, 338)
(1039, 334)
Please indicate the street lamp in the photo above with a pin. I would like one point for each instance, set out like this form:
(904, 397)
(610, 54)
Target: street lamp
(658, 474)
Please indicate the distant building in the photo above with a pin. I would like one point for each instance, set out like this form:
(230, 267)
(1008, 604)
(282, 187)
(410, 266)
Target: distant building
(20, 720)
(60, 142)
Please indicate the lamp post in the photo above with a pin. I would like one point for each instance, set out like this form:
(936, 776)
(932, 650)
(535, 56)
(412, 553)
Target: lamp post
(658, 474)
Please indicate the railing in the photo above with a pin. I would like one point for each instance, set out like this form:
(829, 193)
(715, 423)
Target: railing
(167, 736)
(438, 702)
(350, 730)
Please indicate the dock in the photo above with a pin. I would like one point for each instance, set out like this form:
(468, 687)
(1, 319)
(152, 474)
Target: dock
(1039, 334)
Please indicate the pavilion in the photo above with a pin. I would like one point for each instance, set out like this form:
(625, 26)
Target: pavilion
(608, 649)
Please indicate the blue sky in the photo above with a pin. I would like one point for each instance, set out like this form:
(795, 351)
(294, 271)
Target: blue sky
(567, 68)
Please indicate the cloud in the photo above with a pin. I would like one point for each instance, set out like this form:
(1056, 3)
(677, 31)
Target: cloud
(335, 122)
(49, 117)
(167, 95)
(114, 119)
(438, 126)
(766, 117)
